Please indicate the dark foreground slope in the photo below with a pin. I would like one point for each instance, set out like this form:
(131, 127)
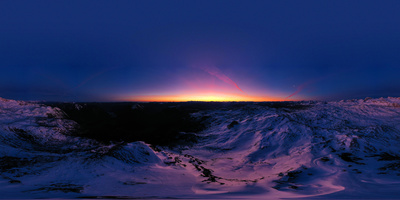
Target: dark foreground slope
(154, 123)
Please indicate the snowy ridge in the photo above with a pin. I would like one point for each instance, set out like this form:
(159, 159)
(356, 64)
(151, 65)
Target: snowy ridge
(27, 125)
(40, 159)
(310, 151)
(314, 149)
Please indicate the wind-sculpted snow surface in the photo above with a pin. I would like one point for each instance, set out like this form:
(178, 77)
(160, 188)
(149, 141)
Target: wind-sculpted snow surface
(325, 150)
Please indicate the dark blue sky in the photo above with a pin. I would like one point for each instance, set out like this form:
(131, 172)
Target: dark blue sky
(199, 50)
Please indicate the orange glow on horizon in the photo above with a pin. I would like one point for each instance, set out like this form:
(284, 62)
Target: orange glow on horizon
(200, 97)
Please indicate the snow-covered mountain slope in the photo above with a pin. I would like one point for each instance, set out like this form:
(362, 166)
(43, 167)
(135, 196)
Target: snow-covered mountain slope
(344, 148)
(329, 150)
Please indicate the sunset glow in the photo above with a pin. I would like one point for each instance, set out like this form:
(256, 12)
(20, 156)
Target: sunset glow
(198, 51)
(199, 97)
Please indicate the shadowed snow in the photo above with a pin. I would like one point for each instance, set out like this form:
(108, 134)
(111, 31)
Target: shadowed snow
(313, 149)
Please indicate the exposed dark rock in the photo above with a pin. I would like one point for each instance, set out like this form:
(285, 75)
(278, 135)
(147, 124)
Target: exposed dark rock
(391, 166)
(325, 159)
(63, 187)
(232, 124)
(349, 157)
(294, 174)
(388, 157)
(293, 187)
(14, 181)
(134, 183)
